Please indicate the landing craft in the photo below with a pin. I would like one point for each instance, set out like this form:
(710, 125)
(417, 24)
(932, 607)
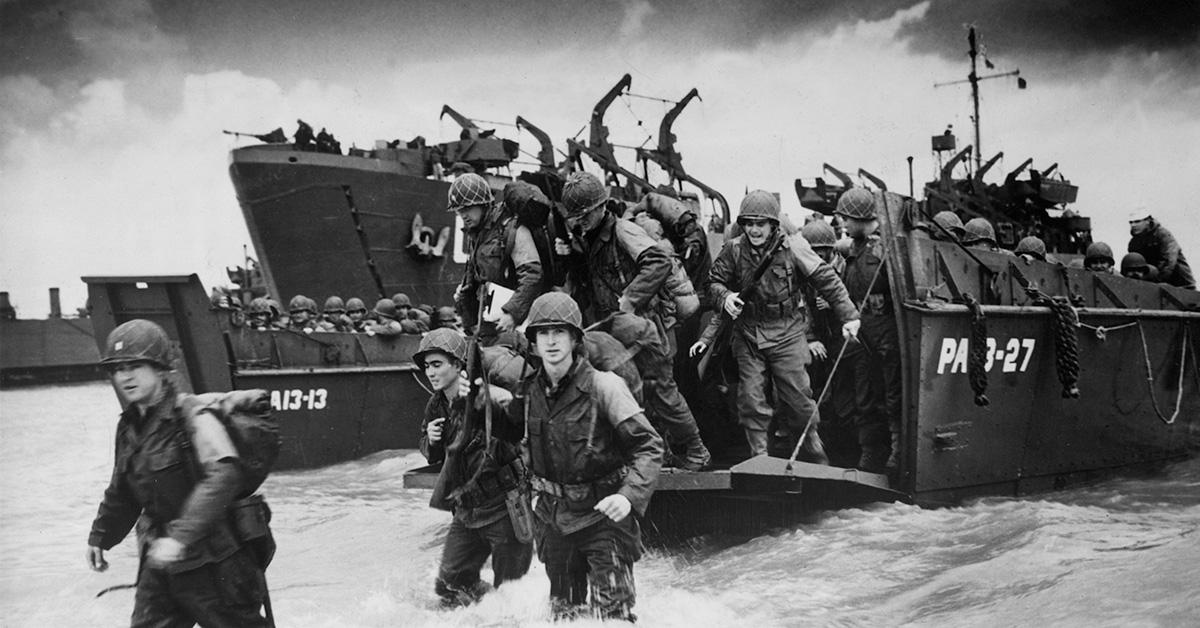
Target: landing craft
(975, 325)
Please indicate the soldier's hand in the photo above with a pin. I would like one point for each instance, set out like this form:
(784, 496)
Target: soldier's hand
(850, 329)
(817, 349)
(615, 507)
(734, 305)
(164, 551)
(698, 348)
(95, 558)
(506, 322)
(561, 247)
(625, 305)
(464, 385)
(433, 431)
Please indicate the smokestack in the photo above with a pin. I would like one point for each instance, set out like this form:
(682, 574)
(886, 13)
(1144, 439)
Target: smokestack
(6, 309)
(55, 304)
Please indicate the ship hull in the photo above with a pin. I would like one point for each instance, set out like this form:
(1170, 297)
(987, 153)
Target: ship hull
(49, 351)
(326, 225)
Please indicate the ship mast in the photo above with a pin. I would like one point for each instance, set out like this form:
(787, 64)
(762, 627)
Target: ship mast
(973, 78)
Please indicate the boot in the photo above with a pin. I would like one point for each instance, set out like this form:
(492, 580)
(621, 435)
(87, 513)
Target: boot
(758, 442)
(697, 457)
(813, 450)
(872, 442)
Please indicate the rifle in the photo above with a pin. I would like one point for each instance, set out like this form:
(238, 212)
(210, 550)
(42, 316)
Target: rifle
(454, 464)
(724, 331)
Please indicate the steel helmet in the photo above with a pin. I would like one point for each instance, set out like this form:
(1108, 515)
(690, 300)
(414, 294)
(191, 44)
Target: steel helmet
(977, 230)
(582, 193)
(385, 308)
(401, 300)
(1031, 245)
(1133, 261)
(444, 340)
(1098, 251)
(334, 305)
(468, 190)
(274, 307)
(553, 309)
(819, 234)
(301, 303)
(259, 305)
(856, 203)
(759, 204)
(950, 222)
(355, 304)
(138, 340)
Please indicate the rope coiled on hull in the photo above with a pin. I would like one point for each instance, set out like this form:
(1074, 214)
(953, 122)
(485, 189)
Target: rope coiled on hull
(977, 351)
(1066, 344)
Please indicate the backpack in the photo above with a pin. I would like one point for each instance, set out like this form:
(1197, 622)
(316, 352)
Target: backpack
(254, 430)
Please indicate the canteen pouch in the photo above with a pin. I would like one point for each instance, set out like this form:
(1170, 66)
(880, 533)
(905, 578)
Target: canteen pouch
(520, 512)
(252, 525)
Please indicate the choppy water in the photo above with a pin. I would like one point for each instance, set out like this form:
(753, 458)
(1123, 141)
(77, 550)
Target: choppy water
(356, 549)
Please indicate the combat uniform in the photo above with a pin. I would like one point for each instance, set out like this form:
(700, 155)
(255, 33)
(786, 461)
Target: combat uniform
(769, 336)
(1161, 250)
(473, 485)
(179, 477)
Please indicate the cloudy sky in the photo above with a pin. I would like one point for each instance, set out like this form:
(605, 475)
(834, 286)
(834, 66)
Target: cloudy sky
(112, 159)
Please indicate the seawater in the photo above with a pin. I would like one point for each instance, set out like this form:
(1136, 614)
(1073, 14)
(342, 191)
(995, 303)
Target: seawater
(357, 549)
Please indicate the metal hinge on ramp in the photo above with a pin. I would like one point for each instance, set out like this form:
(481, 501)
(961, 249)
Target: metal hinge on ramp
(821, 483)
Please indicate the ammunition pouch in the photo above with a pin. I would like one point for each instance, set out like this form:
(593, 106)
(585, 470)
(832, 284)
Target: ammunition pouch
(774, 311)
(251, 521)
(488, 486)
(580, 497)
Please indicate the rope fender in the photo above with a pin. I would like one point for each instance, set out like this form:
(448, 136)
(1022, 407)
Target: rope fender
(977, 351)
(1066, 345)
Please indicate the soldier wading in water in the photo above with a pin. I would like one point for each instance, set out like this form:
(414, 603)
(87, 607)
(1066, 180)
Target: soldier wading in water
(594, 460)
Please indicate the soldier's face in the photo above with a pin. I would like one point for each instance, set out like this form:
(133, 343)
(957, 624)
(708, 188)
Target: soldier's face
(1135, 273)
(299, 316)
(442, 370)
(259, 320)
(582, 224)
(555, 344)
(1100, 265)
(356, 315)
(472, 216)
(1137, 227)
(825, 252)
(758, 230)
(137, 382)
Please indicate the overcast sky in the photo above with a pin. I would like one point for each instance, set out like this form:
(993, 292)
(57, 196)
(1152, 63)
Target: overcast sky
(112, 159)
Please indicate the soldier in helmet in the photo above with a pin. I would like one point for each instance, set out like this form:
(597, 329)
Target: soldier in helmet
(177, 472)
(446, 318)
(950, 222)
(594, 460)
(261, 316)
(386, 322)
(623, 273)
(410, 321)
(356, 311)
(333, 316)
(501, 251)
(1099, 258)
(877, 374)
(978, 233)
(302, 313)
(1031, 248)
(769, 327)
(475, 479)
(1160, 249)
(1134, 266)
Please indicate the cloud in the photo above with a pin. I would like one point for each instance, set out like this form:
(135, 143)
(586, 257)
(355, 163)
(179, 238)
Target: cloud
(636, 12)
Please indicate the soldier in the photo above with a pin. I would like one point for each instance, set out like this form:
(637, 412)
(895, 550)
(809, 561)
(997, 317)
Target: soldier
(1160, 250)
(877, 374)
(175, 475)
(594, 460)
(409, 320)
(302, 314)
(475, 479)
(769, 328)
(950, 222)
(1099, 258)
(333, 316)
(1134, 266)
(356, 311)
(446, 318)
(501, 252)
(623, 273)
(978, 233)
(261, 315)
(385, 323)
(1031, 248)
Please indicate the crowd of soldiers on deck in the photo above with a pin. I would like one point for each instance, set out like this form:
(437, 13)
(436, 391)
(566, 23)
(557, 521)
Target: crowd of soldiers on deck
(389, 317)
